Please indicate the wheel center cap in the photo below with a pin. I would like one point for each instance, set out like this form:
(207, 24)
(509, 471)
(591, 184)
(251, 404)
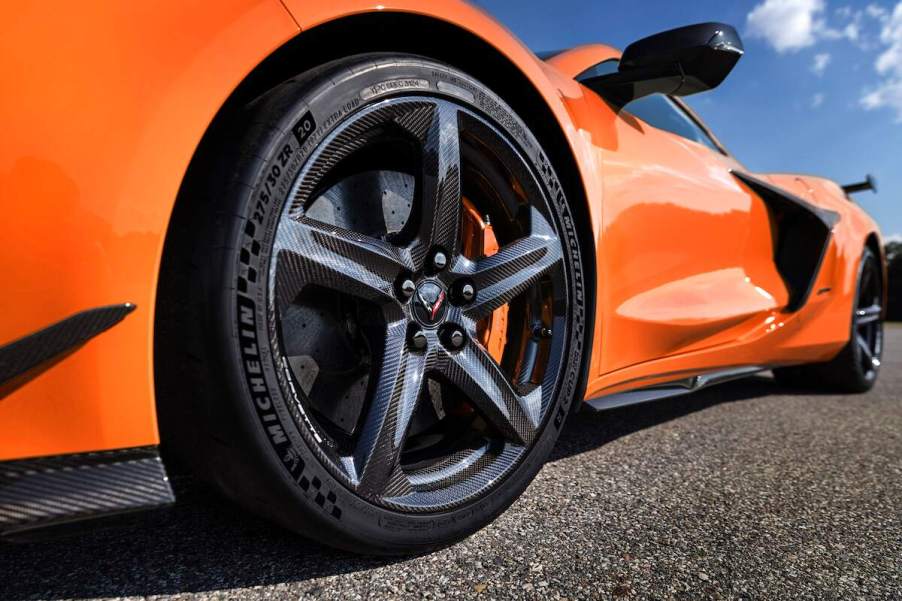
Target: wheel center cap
(429, 303)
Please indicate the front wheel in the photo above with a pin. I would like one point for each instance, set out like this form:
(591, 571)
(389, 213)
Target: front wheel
(856, 367)
(394, 306)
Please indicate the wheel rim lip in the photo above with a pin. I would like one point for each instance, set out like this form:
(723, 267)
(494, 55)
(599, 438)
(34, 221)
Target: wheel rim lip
(510, 455)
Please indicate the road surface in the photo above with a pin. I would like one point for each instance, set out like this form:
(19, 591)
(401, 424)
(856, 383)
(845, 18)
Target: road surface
(747, 490)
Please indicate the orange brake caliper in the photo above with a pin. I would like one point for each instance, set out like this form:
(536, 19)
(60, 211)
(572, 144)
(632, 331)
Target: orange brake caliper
(479, 241)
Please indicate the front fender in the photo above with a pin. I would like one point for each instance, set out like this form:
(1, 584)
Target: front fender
(104, 106)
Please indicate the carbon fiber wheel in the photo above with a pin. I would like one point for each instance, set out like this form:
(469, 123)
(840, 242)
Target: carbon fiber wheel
(867, 323)
(390, 302)
(378, 309)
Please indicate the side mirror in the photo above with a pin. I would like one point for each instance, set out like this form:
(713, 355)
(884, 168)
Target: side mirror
(678, 62)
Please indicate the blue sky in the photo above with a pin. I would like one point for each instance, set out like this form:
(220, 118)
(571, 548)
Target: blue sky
(818, 91)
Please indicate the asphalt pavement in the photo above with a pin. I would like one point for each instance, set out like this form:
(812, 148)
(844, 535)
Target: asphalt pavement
(747, 490)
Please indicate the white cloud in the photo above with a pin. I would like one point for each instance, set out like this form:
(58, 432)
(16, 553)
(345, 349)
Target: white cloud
(888, 93)
(890, 61)
(850, 32)
(892, 238)
(820, 63)
(791, 25)
(788, 25)
(876, 12)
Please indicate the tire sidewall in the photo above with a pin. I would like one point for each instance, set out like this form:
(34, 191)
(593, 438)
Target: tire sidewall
(312, 500)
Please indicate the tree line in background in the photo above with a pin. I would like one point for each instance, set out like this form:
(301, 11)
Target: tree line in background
(894, 288)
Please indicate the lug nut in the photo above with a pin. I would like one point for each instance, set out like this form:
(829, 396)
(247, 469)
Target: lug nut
(408, 288)
(542, 332)
(439, 260)
(418, 340)
(456, 339)
(467, 292)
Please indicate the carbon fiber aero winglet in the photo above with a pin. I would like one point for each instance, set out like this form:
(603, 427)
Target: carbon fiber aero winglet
(53, 342)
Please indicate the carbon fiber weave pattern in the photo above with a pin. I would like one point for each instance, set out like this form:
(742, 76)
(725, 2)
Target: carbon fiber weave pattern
(29, 352)
(50, 490)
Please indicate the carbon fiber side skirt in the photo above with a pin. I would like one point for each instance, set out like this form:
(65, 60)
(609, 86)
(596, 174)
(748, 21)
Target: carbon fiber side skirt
(47, 491)
(671, 389)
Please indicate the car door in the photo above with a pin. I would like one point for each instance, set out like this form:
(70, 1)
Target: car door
(686, 256)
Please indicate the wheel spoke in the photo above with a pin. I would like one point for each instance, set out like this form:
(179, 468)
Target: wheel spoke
(440, 201)
(865, 349)
(477, 375)
(397, 388)
(514, 268)
(866, 315)
(866, 280)
(311, 252)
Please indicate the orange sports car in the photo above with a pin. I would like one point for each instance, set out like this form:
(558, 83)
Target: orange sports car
(355, 263)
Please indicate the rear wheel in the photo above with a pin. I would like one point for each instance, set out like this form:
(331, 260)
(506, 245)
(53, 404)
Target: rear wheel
(392, 307)
(856, 367)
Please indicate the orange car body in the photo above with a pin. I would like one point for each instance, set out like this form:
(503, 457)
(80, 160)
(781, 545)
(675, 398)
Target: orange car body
(104, 105)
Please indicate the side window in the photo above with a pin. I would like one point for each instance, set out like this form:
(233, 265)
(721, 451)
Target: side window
(657, 110)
